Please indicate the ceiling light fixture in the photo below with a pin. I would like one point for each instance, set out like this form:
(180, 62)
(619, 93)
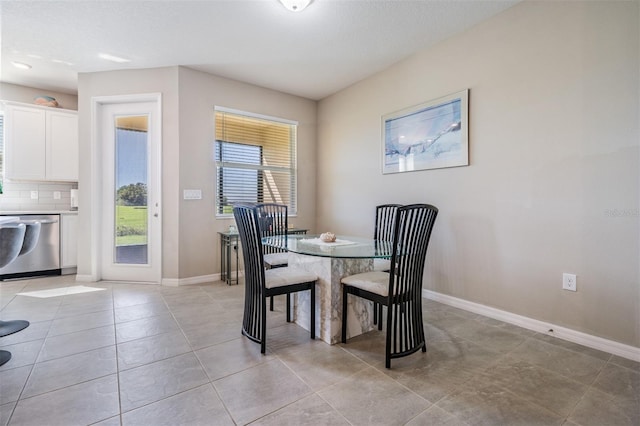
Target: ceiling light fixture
(21, 65)
(295, 5)
(113, 58)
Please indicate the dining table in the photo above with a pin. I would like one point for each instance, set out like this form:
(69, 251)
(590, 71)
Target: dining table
(331, 261)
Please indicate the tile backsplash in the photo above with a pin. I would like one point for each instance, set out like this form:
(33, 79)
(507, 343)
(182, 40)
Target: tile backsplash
(17, 196)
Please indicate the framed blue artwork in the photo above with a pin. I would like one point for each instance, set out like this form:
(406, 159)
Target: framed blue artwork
(432, 135)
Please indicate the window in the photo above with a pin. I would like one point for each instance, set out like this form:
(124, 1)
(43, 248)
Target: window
(255, 161)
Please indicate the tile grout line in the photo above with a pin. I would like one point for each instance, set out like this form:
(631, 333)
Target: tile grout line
(554, 373)
(35, 360)
(565, 418)
(115, 338)
(209, 381)
(588, 388)
(474, 374)
(478, 371)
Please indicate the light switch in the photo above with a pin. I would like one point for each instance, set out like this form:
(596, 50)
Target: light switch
(56, 195)
(34, 195)
(192, 194)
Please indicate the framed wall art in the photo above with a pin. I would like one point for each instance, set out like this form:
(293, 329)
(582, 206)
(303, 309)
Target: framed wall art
(432, 135)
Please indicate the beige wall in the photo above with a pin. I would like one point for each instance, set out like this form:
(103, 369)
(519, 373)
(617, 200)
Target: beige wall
(17, 93)
(190, 239)
(553, 184)
(199, 94)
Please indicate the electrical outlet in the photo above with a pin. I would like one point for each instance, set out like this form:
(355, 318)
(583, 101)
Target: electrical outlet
(56, 195)
(569, 282)
(34, 195)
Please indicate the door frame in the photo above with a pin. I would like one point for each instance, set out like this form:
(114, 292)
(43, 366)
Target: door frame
(97, 237)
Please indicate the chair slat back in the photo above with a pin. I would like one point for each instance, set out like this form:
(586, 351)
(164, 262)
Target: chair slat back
(273, 220)
(412, 231)
(385, 220)
(250, 238)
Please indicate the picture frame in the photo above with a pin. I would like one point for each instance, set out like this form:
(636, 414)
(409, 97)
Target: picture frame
(431, 135)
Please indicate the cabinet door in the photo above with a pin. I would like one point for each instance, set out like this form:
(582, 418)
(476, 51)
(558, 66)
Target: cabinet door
(25, 143)
(62, 146)
(69, 240)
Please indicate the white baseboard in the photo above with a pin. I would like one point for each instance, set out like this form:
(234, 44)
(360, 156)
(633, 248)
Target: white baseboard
(175, 282)
(69, 271)
(87, 278)
(595, 342)
(171, 282)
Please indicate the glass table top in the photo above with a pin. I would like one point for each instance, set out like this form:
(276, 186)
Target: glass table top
(344, 246)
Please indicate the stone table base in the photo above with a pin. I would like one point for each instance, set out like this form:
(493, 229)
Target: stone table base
(329, 297)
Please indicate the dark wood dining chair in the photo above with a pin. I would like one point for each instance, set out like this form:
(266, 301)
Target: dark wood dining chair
(400, 289)
(273, 220)
(261, 283)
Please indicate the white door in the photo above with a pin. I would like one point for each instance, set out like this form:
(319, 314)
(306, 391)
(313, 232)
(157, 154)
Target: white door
(131, 223)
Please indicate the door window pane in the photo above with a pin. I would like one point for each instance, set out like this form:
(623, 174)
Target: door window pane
(131, 180)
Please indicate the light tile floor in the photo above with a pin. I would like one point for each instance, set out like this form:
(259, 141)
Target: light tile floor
(151, 355)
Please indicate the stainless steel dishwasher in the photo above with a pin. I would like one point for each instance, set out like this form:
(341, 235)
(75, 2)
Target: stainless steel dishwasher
(45, 257)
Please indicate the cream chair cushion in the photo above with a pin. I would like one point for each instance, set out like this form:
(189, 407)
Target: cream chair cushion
(381, 264)
(375, 282)
(279, 277)
(276, 259)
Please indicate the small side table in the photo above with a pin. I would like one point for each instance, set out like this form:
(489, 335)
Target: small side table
(297, 231)
(228, 241)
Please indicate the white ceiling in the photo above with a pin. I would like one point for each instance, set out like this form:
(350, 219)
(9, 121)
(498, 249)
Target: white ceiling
(327, 47)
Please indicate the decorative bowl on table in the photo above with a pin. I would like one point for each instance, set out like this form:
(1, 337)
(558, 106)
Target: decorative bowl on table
(328, 237)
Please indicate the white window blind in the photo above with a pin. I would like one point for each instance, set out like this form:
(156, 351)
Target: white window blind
(255, 161)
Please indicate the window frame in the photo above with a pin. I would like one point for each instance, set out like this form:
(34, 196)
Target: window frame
(292, 170)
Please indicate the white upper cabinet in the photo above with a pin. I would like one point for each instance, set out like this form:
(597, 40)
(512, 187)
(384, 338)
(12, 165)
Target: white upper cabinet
(25, 134)
(41, 143)
(62, 146)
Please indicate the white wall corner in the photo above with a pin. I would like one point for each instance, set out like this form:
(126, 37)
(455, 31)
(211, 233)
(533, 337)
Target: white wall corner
(594, 342)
